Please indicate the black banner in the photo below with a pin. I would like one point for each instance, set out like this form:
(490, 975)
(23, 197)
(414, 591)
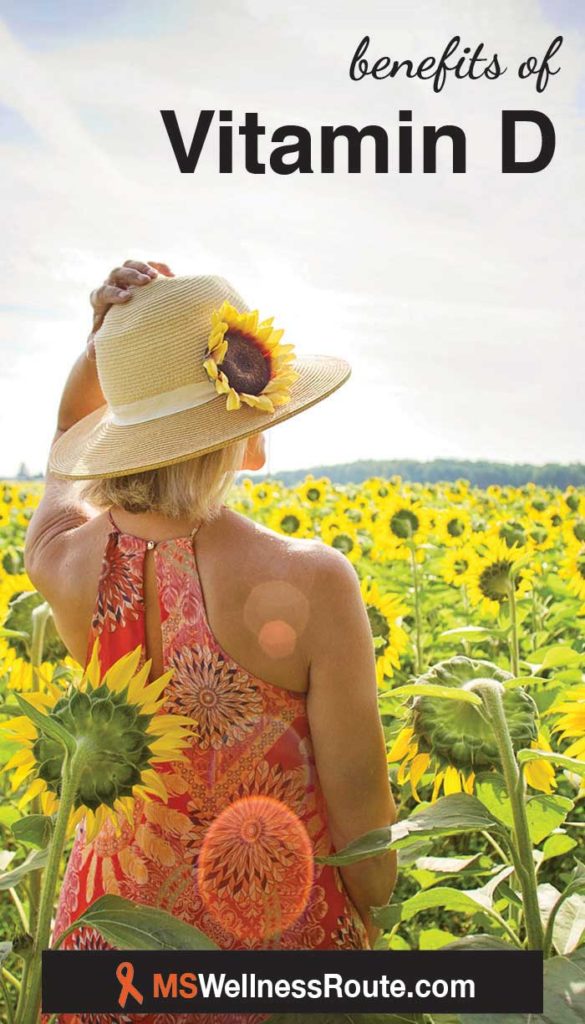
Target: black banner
(110, 981)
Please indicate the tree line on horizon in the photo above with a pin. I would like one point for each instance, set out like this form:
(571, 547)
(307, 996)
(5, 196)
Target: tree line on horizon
(480, 473)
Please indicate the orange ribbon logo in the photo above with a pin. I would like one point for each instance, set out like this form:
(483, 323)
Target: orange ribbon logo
(125, 975)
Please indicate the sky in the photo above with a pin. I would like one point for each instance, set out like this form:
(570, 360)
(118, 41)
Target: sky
(458, 299)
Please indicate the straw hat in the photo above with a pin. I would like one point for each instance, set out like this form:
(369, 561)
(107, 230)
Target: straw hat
(186, 368)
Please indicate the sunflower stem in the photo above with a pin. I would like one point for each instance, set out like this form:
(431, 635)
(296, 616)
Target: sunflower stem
(496, 847)
(40, 618)
(69, 785)
(7, 1000)
(19, 909)
(514, 639)
(521, 848)
(419, 661)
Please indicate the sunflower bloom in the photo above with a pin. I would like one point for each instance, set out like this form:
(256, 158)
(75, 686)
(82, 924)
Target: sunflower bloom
(247, 362)
(121, 732)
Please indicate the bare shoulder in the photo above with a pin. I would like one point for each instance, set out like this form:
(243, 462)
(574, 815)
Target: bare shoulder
(64, 540)
(322, 574)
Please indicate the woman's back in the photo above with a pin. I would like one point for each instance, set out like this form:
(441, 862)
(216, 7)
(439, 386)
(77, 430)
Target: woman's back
(260, 590)
(252, 738)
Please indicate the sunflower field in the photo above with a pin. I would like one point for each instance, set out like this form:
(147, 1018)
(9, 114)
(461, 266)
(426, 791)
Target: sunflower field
(476, 601)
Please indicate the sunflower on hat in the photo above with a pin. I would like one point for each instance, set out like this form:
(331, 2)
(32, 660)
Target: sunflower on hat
(246, 360)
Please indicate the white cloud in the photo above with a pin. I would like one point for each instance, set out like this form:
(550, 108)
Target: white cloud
(457, 298)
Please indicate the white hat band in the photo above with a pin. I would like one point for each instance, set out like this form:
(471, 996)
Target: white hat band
(166, 404)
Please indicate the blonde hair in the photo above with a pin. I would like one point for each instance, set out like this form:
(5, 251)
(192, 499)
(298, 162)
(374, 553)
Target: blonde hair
(193, 489)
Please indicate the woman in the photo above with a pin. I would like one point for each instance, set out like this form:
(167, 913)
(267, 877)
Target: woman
(268, 639)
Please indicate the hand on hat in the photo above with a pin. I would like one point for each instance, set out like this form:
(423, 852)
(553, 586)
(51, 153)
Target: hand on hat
(115, 290)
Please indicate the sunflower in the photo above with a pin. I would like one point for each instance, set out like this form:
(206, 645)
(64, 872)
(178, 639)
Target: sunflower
(292, 520)
(454, 527)
(456, 564)
(403, 521)
(573, 499)
(11, 585)
(574, 530)
(573, 569)
(448, 741)
(540, 774)
(120, 735)
(512, 531)
(313, 491)
(246, 361)
(540, 535)
(571, 724)
(264, 494)
(493, 572)
(23, 679)
(385, 613)
(341, 534)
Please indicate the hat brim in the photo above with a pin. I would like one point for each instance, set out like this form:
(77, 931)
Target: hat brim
(97, 447)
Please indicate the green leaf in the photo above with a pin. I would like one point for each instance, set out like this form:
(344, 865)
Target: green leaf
(491, 790)
(435, 690)
(556, 845)
(577, 879)
(446, 865)
(434, 938)
(569, 921)
(8, 815)
(570, 763)
(471, 633)
(128, 925)
(523, 681)
(34, 862)
(545, 812)
(49, 726)
(34, 828)
(13, 634)
(387, 917)
(479, 942)
(558, 656)
(450, 815)
(468, 901)
(446, 898)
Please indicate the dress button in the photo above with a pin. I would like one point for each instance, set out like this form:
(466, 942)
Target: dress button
(150, 545)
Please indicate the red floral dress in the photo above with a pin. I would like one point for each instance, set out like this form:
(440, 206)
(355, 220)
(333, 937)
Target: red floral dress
(251, 738)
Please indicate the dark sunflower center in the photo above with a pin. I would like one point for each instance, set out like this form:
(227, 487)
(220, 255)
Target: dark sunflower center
(290, 523)
(573, 501)
(379, 625)
(246, 365)
(513, 533)
(404, 523)
(495, 579)
(579, 529)
(581, 566)
(342, 542)
(455, 527)
(539, 534)
(313, 494)
(538, 504)
(460, 566)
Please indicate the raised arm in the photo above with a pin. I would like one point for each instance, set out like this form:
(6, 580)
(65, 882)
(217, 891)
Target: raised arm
(346, 729)
(60, 511)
